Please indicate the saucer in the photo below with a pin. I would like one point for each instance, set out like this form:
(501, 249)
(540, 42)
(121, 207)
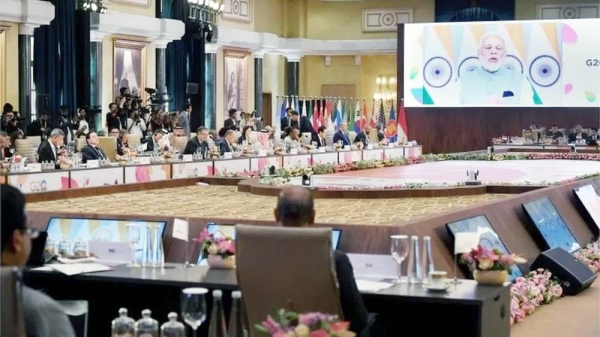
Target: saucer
(436, 289)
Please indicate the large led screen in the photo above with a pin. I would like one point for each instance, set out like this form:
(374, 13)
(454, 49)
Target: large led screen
(503, 63)
(591, 201)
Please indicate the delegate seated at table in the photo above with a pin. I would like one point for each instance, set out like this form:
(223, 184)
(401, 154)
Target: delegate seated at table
(227, 144)
(49, 149)
(363, 136)
(342, 135)
(91, 151)
(155, 141)
(199, 143)
(43, 316)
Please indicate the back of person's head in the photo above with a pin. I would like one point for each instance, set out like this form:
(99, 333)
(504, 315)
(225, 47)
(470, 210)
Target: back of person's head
(295, 207)
(16, 241)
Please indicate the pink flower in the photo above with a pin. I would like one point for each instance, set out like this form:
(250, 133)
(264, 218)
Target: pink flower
(319, 333)
(340, 326)
(271, 325)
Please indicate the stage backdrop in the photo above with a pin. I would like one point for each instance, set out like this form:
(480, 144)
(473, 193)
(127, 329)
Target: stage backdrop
(519, 64)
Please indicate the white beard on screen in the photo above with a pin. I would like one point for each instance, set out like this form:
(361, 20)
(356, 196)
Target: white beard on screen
(490, 66)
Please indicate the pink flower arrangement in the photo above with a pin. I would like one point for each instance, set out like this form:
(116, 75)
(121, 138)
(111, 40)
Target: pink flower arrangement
(215, 245)
(531, 291)
(314, 324)
(590, 256)
(482, 258)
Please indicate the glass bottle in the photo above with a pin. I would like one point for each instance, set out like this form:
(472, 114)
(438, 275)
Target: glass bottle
(217, 327)
(427, 262)
(146, 326)
(236, 318)
(50, 247)
(414, 261)
(147, 249)
(64, 246)
(172, 328)
(80, 248)
(122, 326)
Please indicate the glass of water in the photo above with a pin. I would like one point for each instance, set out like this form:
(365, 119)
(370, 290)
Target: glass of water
(193, 307)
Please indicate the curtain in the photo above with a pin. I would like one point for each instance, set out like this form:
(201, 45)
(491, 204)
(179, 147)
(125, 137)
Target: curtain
(55, 58)
(83, 59)
(185, 64)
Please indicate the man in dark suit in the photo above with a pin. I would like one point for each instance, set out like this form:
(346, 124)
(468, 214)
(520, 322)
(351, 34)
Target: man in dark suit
(232, 123)
(342, 135)
(49, 149)
(91, 151)
(363, 136)
(287, 121)
(152, 142)
(296, 208)
(184, 119)
(199, 143)
(321, 137)
(226, 144)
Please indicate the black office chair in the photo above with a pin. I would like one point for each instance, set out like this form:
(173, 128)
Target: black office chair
(78, 315)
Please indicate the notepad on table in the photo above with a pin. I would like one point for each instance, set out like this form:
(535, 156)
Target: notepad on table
(372, 286)
(78, 268)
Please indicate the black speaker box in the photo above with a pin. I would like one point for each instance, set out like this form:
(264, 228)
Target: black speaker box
(574, 276)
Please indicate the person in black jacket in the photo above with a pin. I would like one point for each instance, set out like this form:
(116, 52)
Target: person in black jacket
(295, 208)
(199, 143)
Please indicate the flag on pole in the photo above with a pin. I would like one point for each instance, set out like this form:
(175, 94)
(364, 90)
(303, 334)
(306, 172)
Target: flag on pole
(338, 114)
(309, 111)
(303, 112)
(402, 124)
(284, 105)
(328, 114)
(373, 120)
(351, 116)
(363, 115)
(357, 120)
(391, 130)
(381, 116)
(315, 115)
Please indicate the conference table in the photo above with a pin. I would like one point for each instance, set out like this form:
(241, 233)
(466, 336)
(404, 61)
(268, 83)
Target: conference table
(467, 308)
(59, 180)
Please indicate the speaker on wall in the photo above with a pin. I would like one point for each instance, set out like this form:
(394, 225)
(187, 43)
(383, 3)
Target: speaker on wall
(574, 276)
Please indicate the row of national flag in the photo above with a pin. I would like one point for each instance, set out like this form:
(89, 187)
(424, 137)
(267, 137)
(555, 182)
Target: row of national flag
(331, 112)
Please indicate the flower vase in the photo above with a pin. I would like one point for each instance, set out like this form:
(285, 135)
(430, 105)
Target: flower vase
(219, 262)
(491, 277)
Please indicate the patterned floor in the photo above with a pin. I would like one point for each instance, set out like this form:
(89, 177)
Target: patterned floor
(226, 202)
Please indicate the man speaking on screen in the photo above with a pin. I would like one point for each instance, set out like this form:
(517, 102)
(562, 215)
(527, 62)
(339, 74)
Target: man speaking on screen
(493, 83)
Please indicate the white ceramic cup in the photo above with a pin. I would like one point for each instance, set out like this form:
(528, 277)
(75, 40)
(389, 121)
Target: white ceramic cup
(438, 279)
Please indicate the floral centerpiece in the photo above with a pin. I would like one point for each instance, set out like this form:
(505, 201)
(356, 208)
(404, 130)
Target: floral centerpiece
(590, 256)
(218, 250)
(291, 324)
(490, 266)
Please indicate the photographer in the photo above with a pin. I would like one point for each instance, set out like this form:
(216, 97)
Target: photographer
(40, 127)
(124, 95)
(136, 126)
(10, 122)
(113, 120)
(80, 123)
(63, 123)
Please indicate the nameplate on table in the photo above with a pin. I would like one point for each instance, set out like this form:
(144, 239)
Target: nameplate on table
(369, 146)
(347, 147)
(262, 153)
(390, 145)
(293, 151)
(144, 160)
(322, 149)
(188, 157)
(181, 229)
(34, 167)
(228, 155)
(93, 163)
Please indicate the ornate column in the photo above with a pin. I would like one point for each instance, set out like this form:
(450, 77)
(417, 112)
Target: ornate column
(210, 85)
(258, 83)
(25, 71)
(96, 38)
(161, 67)
(292, 75)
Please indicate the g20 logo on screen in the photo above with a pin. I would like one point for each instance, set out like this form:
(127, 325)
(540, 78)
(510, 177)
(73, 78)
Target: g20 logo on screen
(192, 173)
(38, 186)
(592, 62)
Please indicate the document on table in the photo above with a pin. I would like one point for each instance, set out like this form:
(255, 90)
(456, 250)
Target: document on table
(76, 269)
(372, 286)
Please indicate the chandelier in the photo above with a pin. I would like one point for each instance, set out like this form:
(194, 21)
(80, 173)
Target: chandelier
(94, 6)
(205, 11)
(386, 88)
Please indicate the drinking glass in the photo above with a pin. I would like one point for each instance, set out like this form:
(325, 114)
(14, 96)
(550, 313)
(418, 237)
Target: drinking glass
(133, 237)
(399, 252)
(193, 307)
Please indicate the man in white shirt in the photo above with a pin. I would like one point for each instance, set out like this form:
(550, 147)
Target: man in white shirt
(136, 126)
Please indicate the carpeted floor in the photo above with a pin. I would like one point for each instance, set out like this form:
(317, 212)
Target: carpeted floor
(572, 316)
(226, 202)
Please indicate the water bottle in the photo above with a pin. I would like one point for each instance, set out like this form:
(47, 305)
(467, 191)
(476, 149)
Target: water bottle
(415, 275)
(147, 251)
(236, 318)
(123, 326)
(146, 326)
(172, 328)
(80, 248)
(427, 259)
(158, 254)
(50, 247)
(217, 327)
